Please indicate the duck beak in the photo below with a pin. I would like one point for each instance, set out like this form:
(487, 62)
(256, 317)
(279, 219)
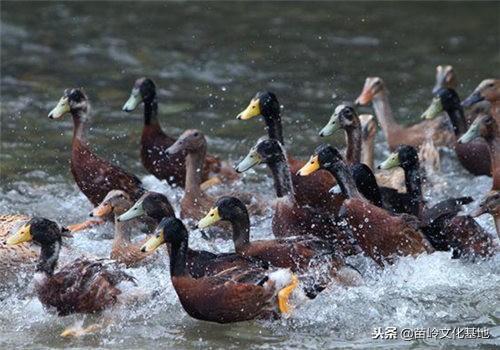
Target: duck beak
(60, 109)
(253, 110)
(433, 110)
(364, 98)
(310, 167)
(102, 210)
(134, 212)
(473, 132)
(391, 162)
(251, 160)
(133, 101)
(23, 235)
(154, 242)
(332, 126)
(177, 147)
(474, 98)
(211, 218)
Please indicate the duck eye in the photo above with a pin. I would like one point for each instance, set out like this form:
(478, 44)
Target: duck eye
(195, 134)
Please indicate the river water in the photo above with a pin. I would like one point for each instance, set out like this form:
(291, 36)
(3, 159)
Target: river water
(208, 60)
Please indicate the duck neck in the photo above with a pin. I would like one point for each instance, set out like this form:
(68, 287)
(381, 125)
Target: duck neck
(353, 140)
(123, 231)
(49, 256)
(178, 252)
(282, 177)
(494, 147)
(413, 183)
(80, 118)
(241, 231)
(384, 115)
(367, 148)
(274, 127)
(457, 118)
(344, 178)
(497, 224)
(151, 112)
(194, 171)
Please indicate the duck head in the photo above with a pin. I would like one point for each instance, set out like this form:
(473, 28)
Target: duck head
(73, 100)
(144, 90)
(344, 117)
(488, 90)
(265, 151)
(373, 86)
(445, 78)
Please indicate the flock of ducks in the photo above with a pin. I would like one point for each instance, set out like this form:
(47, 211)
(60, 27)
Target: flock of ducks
(326, 209)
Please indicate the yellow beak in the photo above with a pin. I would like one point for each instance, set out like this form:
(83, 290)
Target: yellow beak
(153, 243)
(253, 110)
(211, 218)
(23, 235)
(310, 167)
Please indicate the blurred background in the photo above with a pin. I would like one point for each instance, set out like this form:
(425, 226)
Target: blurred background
(209, 59)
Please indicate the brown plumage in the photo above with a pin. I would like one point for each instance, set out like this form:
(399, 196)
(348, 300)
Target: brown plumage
(467, 239)
(154, 142)
(396, 134)
(94, 175)
(232, 295)
(378, 233)
(83, 286)
(488, 90)
(312, 190)
(199, 263)
(290, 218)
(486, 127)
(302, 254)
(195, 201)
(474, 155)
(490, 205)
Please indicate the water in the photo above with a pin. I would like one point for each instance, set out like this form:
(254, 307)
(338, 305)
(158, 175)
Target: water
(208, 60)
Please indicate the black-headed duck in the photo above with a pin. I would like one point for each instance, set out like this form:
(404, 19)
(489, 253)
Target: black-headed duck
(232, 295)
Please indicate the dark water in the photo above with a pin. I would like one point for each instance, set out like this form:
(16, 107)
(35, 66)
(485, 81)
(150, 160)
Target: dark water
(208, 60)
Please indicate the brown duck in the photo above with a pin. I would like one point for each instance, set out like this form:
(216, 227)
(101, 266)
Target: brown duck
(154, 141)
(233, 295)
(94, 175)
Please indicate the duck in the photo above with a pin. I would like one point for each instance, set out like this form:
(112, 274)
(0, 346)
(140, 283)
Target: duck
(472, 156)
(380, 234)
(486, 127)
(157, 207)
(445, 77)
(368, 133)
(13, 259)
(346, 118)
(299, 253)
(490, 205)
(488, 90)
(290, 218)
(82, 286)
(266, 104)
(441, 224)
(123, 250)
(94, 175)
(396, 134)
(154, 142)
(232, 295)
(195, 201)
